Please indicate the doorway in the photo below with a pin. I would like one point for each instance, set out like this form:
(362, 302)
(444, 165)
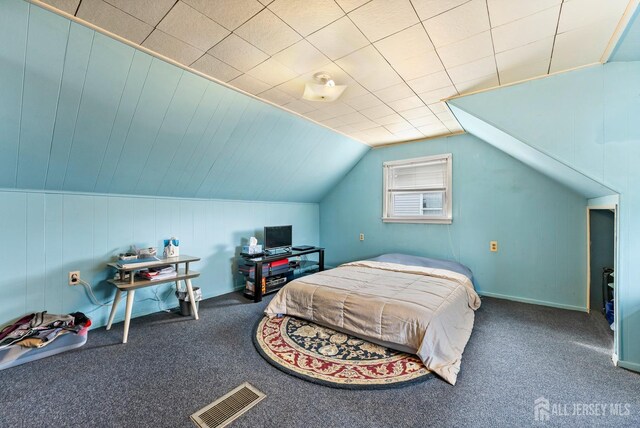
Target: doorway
(601, 266)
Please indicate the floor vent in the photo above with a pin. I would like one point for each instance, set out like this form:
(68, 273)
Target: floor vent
(228, 408)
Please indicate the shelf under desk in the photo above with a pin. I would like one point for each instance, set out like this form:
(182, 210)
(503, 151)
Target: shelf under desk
(126, 284)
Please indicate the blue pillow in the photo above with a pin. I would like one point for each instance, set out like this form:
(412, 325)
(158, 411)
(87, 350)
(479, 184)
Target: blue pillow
(405, 259)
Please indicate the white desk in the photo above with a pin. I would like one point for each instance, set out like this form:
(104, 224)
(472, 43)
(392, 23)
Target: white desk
(131, 284)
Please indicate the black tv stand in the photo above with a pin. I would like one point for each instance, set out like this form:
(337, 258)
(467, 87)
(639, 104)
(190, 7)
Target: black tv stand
(257, 262)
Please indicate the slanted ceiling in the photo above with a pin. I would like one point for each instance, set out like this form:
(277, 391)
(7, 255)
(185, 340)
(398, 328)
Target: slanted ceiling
(628, 47)
(82, 112)
(399, 58)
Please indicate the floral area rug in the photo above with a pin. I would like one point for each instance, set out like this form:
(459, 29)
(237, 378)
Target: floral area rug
(321, 355)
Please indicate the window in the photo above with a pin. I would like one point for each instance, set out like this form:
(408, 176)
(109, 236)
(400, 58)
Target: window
(418, 190)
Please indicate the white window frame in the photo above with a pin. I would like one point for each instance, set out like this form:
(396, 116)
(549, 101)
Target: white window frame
(386, 196)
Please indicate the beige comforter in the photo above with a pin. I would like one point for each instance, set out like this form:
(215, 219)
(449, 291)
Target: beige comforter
(424, 311)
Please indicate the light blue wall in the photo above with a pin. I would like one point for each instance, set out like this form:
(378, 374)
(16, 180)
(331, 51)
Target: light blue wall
(587, 119)
(82, 112)
(538, 223)
(46, 235)
(628, 47)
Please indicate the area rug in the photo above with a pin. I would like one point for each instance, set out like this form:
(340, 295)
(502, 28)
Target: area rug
(321, 355)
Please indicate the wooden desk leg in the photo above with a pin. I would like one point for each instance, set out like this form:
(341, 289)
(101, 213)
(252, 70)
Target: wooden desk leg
(114, 307)
(127, 315)
(194, 310)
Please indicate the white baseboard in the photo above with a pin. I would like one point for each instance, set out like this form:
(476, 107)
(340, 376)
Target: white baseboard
(533, 301)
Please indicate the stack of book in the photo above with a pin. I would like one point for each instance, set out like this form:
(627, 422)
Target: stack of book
(158, 273)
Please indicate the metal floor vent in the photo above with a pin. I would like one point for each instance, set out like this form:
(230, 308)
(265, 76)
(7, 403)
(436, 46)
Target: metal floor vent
(228, 408)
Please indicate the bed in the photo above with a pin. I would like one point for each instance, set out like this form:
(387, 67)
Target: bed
(412, 304)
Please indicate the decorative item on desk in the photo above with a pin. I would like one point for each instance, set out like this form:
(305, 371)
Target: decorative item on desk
(171, 247)
(253, 247)
(145, 253)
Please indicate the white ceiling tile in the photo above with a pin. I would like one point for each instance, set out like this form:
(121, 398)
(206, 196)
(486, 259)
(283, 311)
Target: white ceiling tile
(114, 20)
(416, 113)
(429, 119)
(445, 115)
(526, 61)
(336, 108)
(504, 11)
(381, 18)
(580, 13)
(438, 107)
(526, 30)
(484, 82)
(190, 26)
(354, 117)
(429, 8)
(453, 126)
(584, 45)
(364, 101)
(214, 67)
(266, 2)
(390, 119)
(416, 61)
(347, 129)
(276, 96)
(299, 106)
(406, 103)
(318, 115)
(473, 70)
(333, 122)
(294, 87)
(378, 132)
(171, 47)
(349, 5)
(338, 39)
(399, 127)
(395, 92)
(434, 130)
(306, 19)
(228, 13)
(239, 53)
(302, 57)
(364, 125)
(272, 72)
(430, 82)
(369, 68)
(459, 23)
(149, 11)
(377, 112)
(409, 134)
(353, 90)
(268, 32)
(249, 84)
(467, 50)
(438, 95)
(69, 6)
(431, 132)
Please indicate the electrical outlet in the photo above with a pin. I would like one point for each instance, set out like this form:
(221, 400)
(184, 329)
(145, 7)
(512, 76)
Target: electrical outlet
(493, 246)
(362, 236)
(74, 277)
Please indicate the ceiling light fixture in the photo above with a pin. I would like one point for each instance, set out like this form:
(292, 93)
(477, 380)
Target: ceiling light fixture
(325, 90)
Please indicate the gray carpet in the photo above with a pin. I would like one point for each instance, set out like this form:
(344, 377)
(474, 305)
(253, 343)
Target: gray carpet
(173, 366)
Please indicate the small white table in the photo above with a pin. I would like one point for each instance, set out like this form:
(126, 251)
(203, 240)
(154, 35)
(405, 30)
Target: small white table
(131, 284)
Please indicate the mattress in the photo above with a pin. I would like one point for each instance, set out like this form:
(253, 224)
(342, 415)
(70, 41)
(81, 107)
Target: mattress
(423, 310)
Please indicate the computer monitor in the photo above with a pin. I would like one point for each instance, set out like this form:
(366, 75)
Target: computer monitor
(276, 237)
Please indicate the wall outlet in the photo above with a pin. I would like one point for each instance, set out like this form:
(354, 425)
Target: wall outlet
(74, 277)
(362, 236)
(493, 246)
